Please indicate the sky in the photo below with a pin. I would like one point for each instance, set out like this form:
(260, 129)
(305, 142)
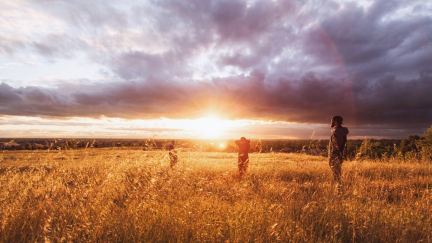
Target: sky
(214, 68)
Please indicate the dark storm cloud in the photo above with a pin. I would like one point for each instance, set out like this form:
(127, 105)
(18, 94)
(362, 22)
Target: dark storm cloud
(296, 61)
(389, 101)
(229, 20)
(31, 100)
(143, 66)
(371, 46)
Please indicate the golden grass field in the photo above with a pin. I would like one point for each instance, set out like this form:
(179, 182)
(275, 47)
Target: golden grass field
(110, 195)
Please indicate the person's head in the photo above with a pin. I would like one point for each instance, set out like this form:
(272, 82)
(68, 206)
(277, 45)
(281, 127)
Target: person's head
(336, 121)
(242, 139)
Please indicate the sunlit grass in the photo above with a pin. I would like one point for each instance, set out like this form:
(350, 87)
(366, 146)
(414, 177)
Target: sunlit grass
(126, 195)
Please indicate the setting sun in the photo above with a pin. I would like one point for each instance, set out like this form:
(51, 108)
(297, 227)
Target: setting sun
(209, 127)
(222, 145)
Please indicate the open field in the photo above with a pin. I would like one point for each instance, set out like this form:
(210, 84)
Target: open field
(131, 195)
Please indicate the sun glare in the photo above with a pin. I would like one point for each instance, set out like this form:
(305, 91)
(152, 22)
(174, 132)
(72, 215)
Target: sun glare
(209, 127)
(222, 145)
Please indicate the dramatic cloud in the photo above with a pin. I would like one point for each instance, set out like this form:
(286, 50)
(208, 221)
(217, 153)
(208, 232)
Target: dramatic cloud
(300, 61)
(388, 101)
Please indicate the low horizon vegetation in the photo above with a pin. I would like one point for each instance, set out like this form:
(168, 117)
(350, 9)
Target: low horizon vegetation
(411, 148)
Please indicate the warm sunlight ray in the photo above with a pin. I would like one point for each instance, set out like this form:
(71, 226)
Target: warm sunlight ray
(209, 127)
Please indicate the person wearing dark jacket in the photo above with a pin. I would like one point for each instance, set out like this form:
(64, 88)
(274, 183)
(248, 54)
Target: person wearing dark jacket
(243, 155)
(337, 144)
(172, 153)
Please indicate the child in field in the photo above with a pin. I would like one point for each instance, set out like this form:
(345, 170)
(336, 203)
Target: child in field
(243, 155)
(337, 145)
(172, 153)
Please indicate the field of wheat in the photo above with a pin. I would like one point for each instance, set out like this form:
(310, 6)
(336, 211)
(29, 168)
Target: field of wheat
(131, 195)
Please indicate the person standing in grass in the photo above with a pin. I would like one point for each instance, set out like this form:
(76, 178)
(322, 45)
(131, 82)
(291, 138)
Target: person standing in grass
(338, 140)
(172, 153)
(243, 155)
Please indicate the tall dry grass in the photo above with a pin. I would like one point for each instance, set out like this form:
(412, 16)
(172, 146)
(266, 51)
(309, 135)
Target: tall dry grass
(118, 195)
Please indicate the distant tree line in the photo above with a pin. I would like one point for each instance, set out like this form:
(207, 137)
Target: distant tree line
(413, 147)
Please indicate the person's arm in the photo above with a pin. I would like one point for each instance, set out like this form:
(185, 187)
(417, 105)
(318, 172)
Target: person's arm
(340, 144)
(335, 140)
(345, 139)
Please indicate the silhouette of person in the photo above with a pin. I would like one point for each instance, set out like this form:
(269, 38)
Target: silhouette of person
(172, 153)
(243, 155)
(258, 147)
(337, 145)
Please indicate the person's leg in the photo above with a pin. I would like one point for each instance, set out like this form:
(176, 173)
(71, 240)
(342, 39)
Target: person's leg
(335, 163)
(173, 158)
(239, 163)
(246, 164)
(337, 170)
(242, 164)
